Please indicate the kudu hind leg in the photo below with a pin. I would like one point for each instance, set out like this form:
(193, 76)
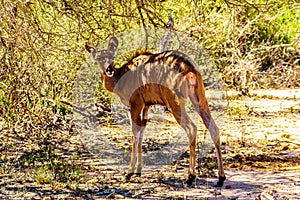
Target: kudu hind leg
(202, 108)
(190, 128)
(215, 135)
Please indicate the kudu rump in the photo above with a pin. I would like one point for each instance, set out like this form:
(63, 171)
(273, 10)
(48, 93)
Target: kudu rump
(167, 78)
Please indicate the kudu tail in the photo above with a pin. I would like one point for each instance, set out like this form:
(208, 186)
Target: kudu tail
(197, 94)
(198, 99)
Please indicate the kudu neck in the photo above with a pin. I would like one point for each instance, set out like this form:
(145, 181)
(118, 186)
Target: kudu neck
(110, 82)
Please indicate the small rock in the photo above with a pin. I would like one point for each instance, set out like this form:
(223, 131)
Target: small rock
(106, 187)
(285, 148)
(227, 186)
(118, 196)
(217, 192)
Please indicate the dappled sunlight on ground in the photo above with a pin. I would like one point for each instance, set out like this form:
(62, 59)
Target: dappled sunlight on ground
(260, 144)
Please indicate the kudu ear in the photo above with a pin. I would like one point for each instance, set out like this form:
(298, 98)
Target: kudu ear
(113, 45)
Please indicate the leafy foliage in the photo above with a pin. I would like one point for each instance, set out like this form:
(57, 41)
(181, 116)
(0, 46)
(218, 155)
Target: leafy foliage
(43, 41)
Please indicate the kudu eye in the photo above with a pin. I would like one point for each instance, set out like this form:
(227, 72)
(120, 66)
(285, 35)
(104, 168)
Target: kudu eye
(110, 70)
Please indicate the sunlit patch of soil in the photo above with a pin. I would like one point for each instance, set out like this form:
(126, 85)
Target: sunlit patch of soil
(262, 132)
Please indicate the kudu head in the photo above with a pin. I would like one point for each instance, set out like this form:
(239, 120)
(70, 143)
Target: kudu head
(105, 58)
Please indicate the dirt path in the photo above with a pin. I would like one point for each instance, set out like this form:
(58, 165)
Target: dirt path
(242, 184)
(267, 185)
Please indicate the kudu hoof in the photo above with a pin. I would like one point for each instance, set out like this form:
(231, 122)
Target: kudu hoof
(128, 176)
(221, 181)
(138, 174)
(190, 180)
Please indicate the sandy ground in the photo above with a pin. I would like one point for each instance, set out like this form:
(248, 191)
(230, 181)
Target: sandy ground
(261, 151)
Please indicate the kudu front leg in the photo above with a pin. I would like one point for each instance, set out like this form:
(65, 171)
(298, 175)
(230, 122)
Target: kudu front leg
(139, 120)
(134, 154)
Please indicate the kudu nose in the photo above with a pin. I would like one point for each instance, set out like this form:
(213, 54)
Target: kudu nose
(110, 70)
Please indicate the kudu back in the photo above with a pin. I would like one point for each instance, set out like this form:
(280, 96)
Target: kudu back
(168, 78)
